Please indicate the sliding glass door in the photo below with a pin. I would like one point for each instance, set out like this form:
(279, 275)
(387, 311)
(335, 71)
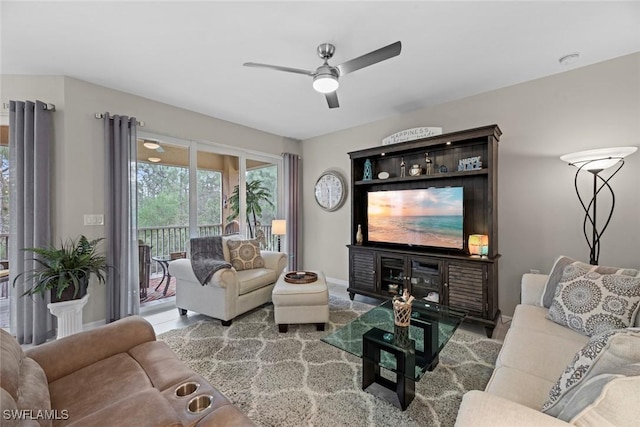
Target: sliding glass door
(188, 189)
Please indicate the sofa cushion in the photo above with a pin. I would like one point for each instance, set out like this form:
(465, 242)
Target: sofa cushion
(250, 280)
(590, 302)
(147, 407)
(535, 318)
(538, 353)
(109, 381)
(245, 254)
(606, 353)
(519, 386)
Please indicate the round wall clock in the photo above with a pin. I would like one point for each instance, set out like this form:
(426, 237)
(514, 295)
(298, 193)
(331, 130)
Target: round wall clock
(330, 190)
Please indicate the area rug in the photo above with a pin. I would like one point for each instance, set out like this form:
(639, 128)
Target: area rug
(294, 379)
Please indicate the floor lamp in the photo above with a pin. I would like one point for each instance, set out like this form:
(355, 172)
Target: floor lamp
(278, 228)
(595, 161)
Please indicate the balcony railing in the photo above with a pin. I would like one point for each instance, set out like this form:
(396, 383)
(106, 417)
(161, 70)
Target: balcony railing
(168, 239)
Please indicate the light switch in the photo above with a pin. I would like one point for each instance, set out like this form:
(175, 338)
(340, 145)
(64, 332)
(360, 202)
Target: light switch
(97, 219)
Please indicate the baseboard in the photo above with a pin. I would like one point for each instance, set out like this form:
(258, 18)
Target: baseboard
(344, 283)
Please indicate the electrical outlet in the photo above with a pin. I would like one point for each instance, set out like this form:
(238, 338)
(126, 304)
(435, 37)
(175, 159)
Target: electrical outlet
(532, 271)
(93, 219)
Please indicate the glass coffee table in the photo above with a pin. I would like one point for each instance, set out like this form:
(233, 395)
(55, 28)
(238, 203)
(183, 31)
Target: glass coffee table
(407, 351)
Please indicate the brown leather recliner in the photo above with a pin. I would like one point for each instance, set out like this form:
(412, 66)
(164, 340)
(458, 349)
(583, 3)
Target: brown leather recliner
(114, 375)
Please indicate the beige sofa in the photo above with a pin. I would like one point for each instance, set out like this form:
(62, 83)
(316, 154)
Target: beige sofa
(228, 293)
(114, 375)
(535, 353)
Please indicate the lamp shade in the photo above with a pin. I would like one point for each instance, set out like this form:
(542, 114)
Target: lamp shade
(479, 244)
(599, 159)
(279, 227)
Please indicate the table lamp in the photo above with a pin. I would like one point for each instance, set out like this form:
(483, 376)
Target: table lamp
(479, 244)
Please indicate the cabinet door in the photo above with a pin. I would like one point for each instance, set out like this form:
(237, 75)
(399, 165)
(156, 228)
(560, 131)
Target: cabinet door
(363, 270)
(425, 276)
(392, 275)
(466, 287)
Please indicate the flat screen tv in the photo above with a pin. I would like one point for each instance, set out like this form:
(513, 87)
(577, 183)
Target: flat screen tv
(422, 217)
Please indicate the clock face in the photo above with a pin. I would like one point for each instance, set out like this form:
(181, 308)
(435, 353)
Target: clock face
(330, 191)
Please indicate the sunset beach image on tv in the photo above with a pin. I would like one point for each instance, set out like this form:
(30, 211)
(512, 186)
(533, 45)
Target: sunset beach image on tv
(422, 217)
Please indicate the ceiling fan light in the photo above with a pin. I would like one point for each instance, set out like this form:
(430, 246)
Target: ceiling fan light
(151, 145)
(154, 159)
(325, 83)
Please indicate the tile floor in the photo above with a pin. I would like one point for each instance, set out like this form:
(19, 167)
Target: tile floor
(165, 317)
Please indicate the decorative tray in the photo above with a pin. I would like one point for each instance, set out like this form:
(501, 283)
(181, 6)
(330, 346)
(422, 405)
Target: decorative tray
(300, 277)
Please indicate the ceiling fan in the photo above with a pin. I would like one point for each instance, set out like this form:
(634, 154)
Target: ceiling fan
(325, 77)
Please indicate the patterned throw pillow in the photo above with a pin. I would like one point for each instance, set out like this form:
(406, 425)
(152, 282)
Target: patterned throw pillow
(245, 254)
(558, 269)
(589, 302)
(612, 352)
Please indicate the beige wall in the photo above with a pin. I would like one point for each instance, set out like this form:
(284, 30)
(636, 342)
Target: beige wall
(539, 213)
(78, 167)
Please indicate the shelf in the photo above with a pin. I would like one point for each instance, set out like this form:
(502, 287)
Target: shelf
(435, 176)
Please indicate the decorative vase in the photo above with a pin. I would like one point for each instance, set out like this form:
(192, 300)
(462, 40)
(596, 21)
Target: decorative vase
(402, 309)
(359, 237)
(368, 171)
(415, 170)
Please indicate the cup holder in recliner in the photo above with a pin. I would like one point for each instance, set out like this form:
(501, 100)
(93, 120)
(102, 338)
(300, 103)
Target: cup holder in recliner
(186, 389)
(200, 403)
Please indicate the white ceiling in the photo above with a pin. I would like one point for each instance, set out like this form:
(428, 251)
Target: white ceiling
(190, 54)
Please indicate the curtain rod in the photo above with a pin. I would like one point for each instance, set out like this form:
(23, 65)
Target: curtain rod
(47, 106)
(101, 116)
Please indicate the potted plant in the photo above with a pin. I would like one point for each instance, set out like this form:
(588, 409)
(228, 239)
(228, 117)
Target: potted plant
(257, 194)
(66, 270)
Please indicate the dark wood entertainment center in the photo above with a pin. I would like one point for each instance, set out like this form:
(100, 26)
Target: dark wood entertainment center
(453, 277)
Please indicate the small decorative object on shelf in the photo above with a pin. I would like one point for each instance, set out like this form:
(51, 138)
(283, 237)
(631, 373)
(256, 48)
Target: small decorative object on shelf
(368, 173)
(469, 164)
(402, 308)
(402, 168)
(443, 169)
(383, 175)
(359, 237)
(429, 162)
(478, 244)
(415, 170)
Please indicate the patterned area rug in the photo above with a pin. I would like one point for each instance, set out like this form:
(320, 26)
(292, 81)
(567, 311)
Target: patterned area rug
(294, 379)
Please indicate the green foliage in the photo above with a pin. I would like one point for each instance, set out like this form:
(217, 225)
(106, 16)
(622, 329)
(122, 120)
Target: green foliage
(58, 268)
(256, 195)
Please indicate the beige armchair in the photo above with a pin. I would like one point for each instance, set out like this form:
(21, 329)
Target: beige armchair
(228, 293)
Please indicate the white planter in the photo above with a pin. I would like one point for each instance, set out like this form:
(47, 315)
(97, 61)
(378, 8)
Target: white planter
(69, 314)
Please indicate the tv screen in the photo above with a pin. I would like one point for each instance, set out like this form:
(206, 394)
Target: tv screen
(423, 217)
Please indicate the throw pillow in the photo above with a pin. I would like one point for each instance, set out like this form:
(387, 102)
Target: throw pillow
(558, 269)
(589, 302)
(611, 352)
(245, 254)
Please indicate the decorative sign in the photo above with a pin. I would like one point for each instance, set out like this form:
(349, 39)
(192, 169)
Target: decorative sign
(411, 134)
(469, 164)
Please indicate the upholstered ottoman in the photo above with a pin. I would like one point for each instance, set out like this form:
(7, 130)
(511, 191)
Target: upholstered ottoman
(301, 303)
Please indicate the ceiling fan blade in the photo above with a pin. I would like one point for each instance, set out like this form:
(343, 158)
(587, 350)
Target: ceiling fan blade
(279, 68)
(332, 99)
(370, 58)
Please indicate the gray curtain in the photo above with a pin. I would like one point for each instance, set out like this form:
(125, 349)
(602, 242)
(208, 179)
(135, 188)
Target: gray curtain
(30, 140)
(292, 206)
(120, 220)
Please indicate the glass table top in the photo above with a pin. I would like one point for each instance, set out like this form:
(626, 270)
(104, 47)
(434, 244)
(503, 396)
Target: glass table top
(427, 318)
